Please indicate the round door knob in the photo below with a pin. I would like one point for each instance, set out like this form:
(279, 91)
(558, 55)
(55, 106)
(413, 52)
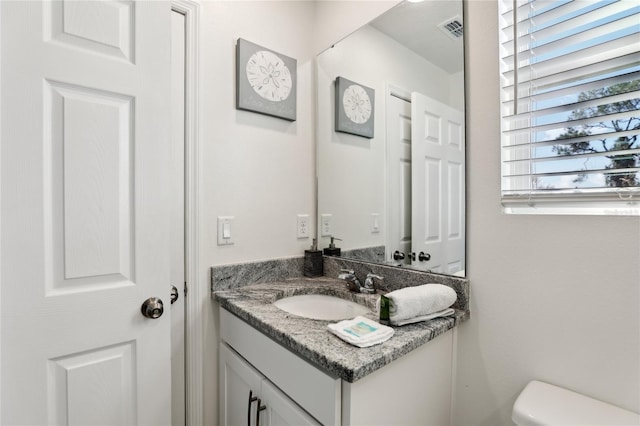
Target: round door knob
(398, 255)
(424, 256)
(152, 308)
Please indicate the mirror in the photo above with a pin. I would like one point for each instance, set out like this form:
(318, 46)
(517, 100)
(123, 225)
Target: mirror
(398, 197)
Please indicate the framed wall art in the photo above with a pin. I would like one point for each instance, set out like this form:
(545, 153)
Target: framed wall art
(355, 107)
(265, 81)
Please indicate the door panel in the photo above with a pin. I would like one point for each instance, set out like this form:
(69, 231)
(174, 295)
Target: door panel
(94, 387)
(438, 185)
(88, 187)
(85, 150)
(105, 27)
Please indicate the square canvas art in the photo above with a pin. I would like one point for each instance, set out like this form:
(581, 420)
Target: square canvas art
(355, 108)
(265, 81)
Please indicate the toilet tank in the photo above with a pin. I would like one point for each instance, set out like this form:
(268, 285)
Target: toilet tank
(542, 404)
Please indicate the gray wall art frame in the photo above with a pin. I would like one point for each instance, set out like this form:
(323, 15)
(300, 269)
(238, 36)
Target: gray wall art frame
(355, 108)
(266, 81)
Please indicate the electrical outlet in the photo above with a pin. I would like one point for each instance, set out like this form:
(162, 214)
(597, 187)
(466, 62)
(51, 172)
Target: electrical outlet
(325, 225)
(303, 226)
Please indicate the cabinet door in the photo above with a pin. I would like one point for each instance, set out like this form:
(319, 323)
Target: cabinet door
(280, 409)
(238, 382)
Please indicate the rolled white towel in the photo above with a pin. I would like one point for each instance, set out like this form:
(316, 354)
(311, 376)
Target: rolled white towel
(412, 302)
(444, 313)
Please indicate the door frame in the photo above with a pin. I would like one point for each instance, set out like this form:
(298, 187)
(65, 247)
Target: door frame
(194, 405)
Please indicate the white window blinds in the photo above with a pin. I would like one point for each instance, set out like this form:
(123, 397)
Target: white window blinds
(570, 103)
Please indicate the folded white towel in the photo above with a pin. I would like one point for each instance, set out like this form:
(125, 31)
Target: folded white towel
(412, 302)
(361, 331)
(442, 313)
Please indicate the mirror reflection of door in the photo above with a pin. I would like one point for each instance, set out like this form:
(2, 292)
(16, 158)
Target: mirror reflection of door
(437, 152)
(426, 183)
(399, 178)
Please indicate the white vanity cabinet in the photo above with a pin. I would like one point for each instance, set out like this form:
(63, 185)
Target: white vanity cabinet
(412, 390)
(248, 398)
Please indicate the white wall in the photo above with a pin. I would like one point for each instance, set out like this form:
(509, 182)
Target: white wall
(351, 177)
(337, 19)
(554, 298)
(456, 90)
(256, 168)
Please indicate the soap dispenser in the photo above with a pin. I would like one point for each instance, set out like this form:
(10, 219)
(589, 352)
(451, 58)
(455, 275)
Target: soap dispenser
(332, 250)
(313, 263)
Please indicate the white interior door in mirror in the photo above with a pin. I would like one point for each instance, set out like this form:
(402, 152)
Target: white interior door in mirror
(437, 151)
(85, 146)
(399, 175)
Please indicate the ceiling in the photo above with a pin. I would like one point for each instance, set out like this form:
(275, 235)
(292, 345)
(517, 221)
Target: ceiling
(415, 25)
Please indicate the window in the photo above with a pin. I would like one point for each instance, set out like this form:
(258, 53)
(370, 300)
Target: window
(570, 106)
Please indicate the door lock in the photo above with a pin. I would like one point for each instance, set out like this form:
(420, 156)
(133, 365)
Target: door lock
(174, 294)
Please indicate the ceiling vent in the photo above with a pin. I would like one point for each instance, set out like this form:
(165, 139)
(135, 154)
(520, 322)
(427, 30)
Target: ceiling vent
(452, 27)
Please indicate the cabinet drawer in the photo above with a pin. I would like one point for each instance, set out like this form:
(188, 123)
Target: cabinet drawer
(314, 390)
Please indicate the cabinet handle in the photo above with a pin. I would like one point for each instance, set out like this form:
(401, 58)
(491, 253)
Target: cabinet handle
(252, 399)
(259, 408)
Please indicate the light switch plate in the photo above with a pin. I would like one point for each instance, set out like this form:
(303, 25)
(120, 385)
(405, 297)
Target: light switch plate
(225, 230)
(375, 223)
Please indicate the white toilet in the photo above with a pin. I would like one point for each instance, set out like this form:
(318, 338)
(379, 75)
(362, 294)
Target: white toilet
(542, 404)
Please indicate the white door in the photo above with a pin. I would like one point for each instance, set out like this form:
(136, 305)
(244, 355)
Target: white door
(438, 185)
(399, 178)
(85, 241)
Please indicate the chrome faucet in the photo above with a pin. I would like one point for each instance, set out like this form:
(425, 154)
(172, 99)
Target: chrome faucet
(353, 284)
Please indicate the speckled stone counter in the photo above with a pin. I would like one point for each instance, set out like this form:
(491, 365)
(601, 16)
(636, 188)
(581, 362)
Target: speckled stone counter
(311, 340)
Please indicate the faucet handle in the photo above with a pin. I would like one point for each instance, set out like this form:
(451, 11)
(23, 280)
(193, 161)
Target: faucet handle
(347, 271)
(370, 283)
(370, 279)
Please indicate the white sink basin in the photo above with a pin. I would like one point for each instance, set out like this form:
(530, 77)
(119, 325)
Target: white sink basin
(319, 306)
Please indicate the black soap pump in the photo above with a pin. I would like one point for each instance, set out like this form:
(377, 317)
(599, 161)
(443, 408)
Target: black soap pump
(313, 263)
(332, 250)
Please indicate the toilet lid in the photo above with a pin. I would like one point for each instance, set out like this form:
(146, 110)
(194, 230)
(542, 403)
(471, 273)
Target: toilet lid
(541, 404)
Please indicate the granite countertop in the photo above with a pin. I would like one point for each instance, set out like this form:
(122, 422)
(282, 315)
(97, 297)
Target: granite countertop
(311, 340)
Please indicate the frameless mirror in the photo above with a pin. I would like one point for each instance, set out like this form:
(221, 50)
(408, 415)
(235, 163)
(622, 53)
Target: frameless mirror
(397, 197)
